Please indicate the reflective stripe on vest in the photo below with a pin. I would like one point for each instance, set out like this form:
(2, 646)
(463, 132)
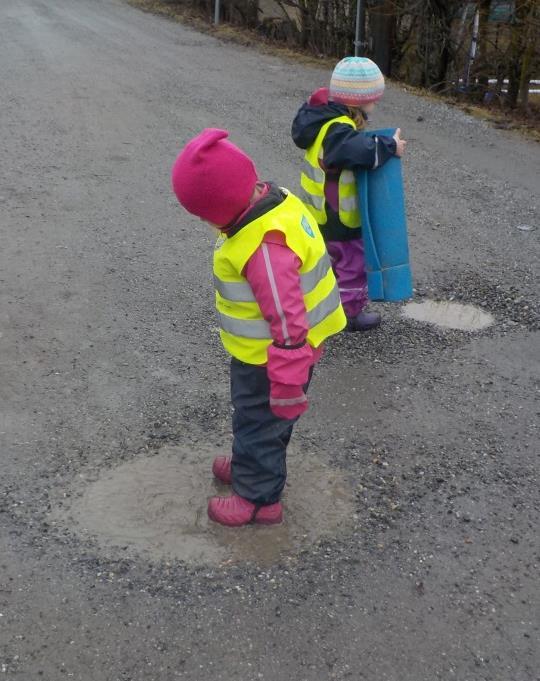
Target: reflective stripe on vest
(315, 174)
(348, 204)
(260, 329)
(244, 331)
(316, 202)
(241, 292)
(313, 177)
(347, 177)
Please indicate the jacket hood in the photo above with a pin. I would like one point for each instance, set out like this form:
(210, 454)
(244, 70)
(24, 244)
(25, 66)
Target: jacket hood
(273, 198)
(310, 119)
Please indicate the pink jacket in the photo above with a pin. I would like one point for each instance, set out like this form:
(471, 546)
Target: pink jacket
(273, 273)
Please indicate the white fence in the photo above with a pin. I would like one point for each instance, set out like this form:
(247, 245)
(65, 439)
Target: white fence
(533, 85)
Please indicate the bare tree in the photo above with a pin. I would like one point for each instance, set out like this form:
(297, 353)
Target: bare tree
(522, 46)
(421, 41)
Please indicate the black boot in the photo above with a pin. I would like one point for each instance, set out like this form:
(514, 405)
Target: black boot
(363, 321)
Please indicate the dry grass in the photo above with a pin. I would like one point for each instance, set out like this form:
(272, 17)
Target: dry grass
(525, 123)
(501, 118)
(173, 12)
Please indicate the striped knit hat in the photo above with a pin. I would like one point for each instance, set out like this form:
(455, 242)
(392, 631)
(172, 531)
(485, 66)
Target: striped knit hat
(356, 81)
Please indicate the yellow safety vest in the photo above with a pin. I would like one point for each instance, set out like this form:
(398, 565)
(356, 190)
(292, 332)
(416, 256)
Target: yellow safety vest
(312, 181)
(244, 331)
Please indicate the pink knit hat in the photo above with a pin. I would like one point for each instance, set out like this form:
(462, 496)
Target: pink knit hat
(213, 179)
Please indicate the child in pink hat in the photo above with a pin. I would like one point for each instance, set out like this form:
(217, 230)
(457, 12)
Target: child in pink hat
(330, 127)
(277, 302)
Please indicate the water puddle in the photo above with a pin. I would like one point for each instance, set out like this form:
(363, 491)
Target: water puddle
(157, 506)
(449, 315)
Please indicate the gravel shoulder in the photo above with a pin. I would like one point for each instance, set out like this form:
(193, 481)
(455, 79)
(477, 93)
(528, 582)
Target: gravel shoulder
(108, 353)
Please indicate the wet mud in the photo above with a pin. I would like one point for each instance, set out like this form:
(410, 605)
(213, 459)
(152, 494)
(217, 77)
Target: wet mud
(449, 315)
(156, 506)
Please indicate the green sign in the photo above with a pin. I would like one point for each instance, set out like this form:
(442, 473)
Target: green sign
(501, 11)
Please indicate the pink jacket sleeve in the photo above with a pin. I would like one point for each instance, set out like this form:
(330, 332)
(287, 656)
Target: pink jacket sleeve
(273, 274)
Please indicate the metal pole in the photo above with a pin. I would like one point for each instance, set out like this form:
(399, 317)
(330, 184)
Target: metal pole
(472, 51)
(216, 12)
(360, 27)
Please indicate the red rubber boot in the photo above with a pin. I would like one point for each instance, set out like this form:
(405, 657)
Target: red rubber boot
(221, 468)
(235, 511)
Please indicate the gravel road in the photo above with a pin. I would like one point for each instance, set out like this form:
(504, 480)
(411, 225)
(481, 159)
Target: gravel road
(109, 357)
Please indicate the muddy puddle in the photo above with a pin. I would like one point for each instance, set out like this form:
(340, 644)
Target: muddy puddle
(156, 507)
(449, 315)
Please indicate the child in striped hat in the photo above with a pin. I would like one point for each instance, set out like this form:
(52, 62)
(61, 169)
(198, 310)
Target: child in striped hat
(329, 126)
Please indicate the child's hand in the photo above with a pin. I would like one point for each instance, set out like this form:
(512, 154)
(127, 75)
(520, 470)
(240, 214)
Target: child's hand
(287, 401)
(400, 144)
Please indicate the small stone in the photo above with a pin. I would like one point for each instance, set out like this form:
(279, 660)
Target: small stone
(525, 228)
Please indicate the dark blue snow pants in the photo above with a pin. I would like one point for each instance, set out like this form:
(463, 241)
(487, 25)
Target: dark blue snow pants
(260, 439)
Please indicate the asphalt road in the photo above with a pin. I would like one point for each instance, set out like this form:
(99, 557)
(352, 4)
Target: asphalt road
(108, 351)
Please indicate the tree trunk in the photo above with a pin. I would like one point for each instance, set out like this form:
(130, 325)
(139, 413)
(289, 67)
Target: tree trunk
(382, 28)
(447, 51)
(524, 11)
(525, 77)
(531, 47)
